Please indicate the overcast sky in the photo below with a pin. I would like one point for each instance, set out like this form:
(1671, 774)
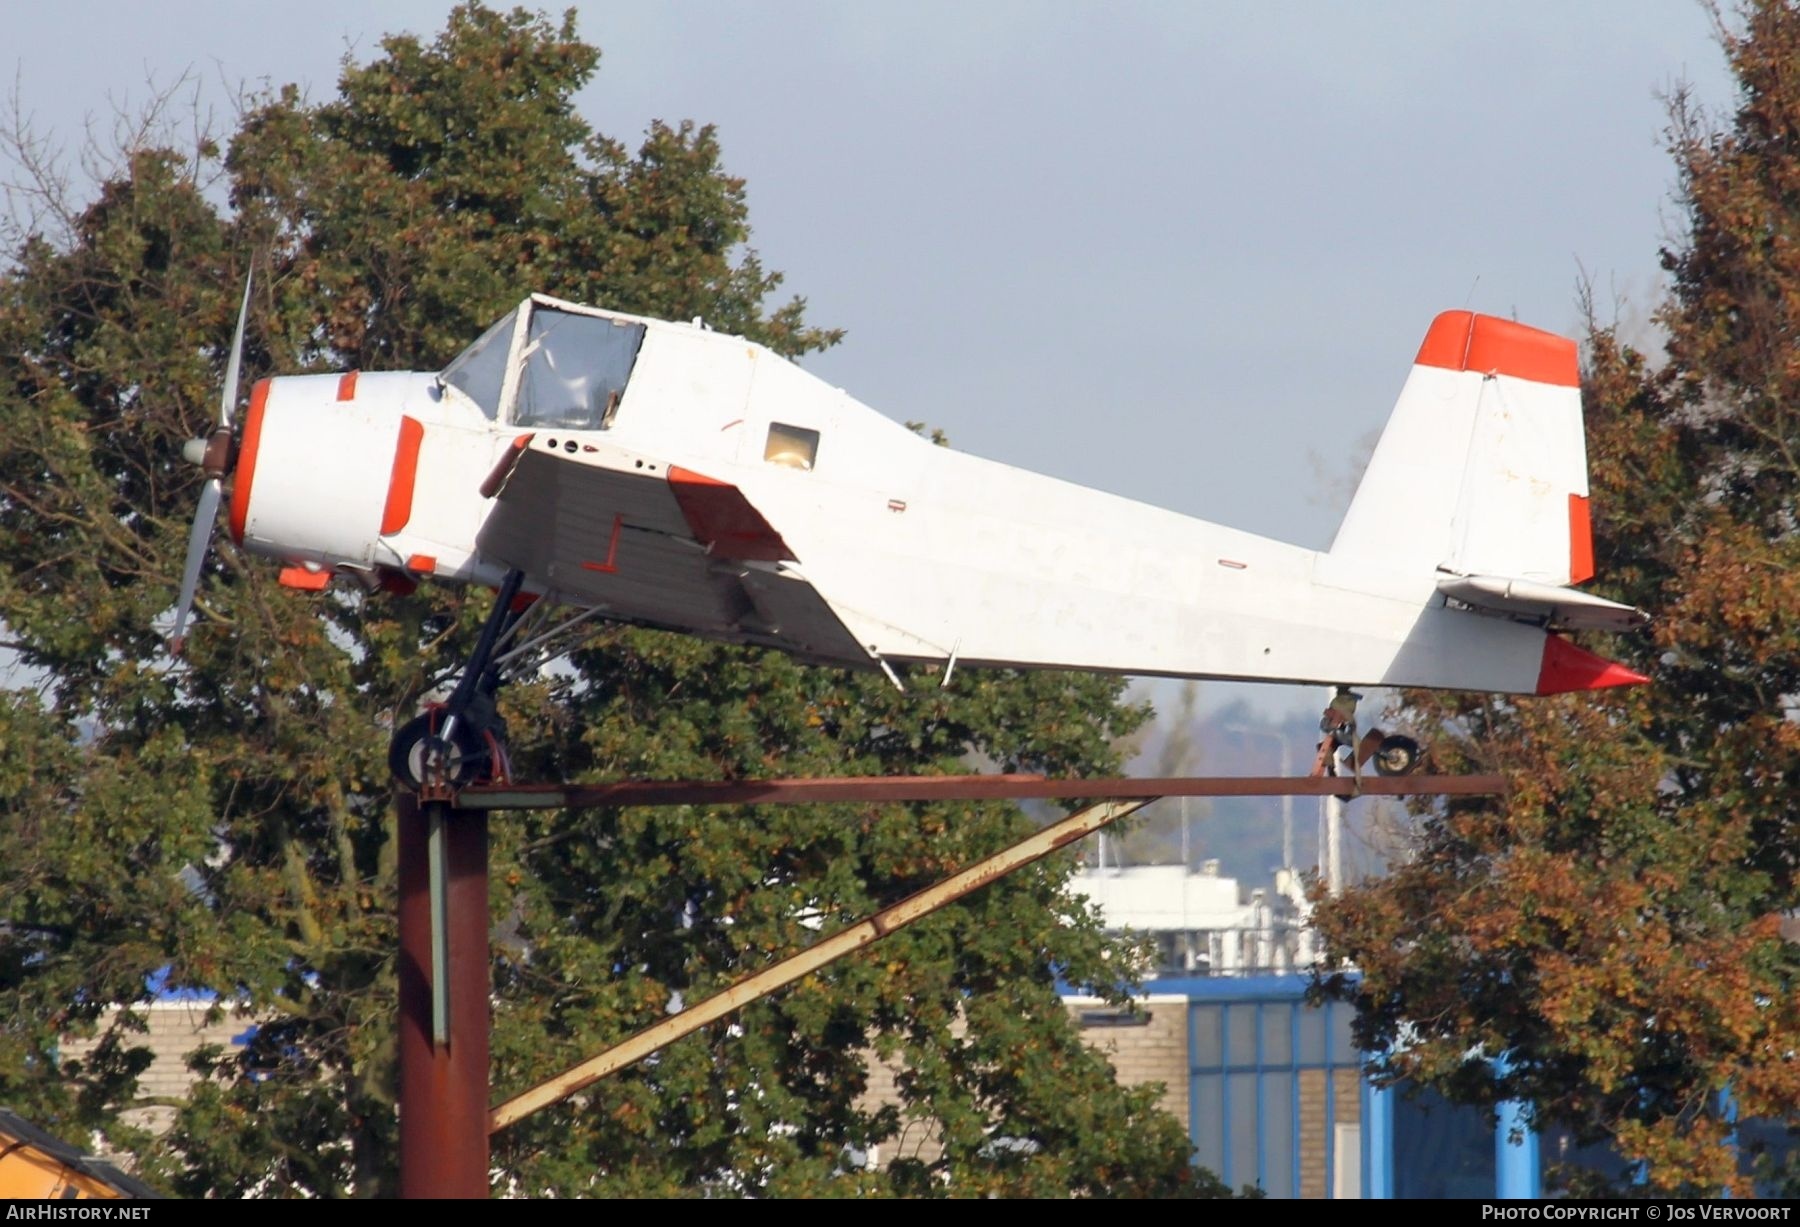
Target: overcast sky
(1183, 252)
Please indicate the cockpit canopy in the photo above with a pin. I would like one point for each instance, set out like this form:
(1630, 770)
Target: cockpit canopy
(549, 363)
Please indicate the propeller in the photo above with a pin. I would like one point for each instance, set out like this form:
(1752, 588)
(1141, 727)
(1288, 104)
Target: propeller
(214, 455)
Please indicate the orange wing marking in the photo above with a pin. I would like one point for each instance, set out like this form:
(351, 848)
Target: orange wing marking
(611, 565)
(723, 520)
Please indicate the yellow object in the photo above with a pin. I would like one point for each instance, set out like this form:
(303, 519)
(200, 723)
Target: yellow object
(34, 1164)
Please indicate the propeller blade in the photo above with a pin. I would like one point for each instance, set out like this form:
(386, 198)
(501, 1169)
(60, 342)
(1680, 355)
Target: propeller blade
(200, 536)
(198, 539)
(229, 397)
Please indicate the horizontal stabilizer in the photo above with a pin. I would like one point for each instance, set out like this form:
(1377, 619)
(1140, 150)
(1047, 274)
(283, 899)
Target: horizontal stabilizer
(1561, 608)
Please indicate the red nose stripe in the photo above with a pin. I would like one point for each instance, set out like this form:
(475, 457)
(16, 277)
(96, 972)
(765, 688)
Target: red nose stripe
(347, 386)
(1567, 667)
(246, 462)
(400, 482)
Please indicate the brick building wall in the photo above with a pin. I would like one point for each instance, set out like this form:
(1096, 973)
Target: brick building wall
(1346, 1110)
(919, 1137)
(1151, 1046)
(174, 1029)
(1146, 1045)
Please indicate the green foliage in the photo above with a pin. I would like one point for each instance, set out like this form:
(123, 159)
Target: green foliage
(226, 817)
(1615, 927)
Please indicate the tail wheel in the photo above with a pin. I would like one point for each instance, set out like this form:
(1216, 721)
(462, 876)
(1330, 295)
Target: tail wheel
(421, 754)
(1396, 755)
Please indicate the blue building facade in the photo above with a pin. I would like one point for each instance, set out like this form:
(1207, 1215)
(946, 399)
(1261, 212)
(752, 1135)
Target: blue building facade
(1277, 1099)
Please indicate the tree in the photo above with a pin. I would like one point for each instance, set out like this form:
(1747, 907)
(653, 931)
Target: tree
(1613, 929)
(224, 822)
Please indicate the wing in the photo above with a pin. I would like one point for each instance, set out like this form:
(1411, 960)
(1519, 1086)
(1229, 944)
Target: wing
(655, 544)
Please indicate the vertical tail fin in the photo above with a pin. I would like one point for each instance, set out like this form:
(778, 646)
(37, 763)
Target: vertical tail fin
(1482, 468)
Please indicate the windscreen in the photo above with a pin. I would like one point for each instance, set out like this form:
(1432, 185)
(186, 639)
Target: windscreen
(574, 369)
(480, 369)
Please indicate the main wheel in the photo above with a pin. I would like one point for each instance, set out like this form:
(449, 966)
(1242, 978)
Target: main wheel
(420, 754)
(1396, 755)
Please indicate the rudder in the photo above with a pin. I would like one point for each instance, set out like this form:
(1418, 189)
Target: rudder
(1482, 467)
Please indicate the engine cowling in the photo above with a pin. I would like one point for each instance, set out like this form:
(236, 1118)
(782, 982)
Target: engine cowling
(323, 468)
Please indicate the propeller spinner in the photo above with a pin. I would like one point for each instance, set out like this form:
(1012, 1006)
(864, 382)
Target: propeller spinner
(214, 455)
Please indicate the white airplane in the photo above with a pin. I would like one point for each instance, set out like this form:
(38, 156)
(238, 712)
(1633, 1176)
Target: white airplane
(667, 475)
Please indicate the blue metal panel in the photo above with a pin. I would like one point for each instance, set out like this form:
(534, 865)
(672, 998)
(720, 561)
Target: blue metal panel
(1248, 1039)
(1242, 1044)
(1516, 1168)
(1294, 1047)
(1207, 1128)
(1377, 1142)
(1245, 1091)
(1206, 1041)
(1728, 1112)
(1279, 1162)
(1442, 1150)
(1330, 1109)
(1262, 1108)
(1278, 1033)
(1224, 1125)
(1231, 988)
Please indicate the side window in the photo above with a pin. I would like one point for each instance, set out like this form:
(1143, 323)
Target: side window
(791, 447)
(574, 369)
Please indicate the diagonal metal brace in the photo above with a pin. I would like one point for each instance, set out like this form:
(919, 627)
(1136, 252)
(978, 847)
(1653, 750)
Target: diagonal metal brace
(915, 907)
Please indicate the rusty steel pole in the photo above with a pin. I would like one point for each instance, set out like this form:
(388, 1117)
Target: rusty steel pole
(443, 1085)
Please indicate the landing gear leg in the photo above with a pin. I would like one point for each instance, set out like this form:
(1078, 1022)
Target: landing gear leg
(1390, 754)
(1338, 725)
(462, 740)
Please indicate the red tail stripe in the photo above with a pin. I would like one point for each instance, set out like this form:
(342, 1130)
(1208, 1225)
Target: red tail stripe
(1464, 341)
(1581, 540)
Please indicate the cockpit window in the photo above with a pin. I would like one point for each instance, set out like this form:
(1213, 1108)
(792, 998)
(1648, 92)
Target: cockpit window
(574, 369)
(480, 369)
